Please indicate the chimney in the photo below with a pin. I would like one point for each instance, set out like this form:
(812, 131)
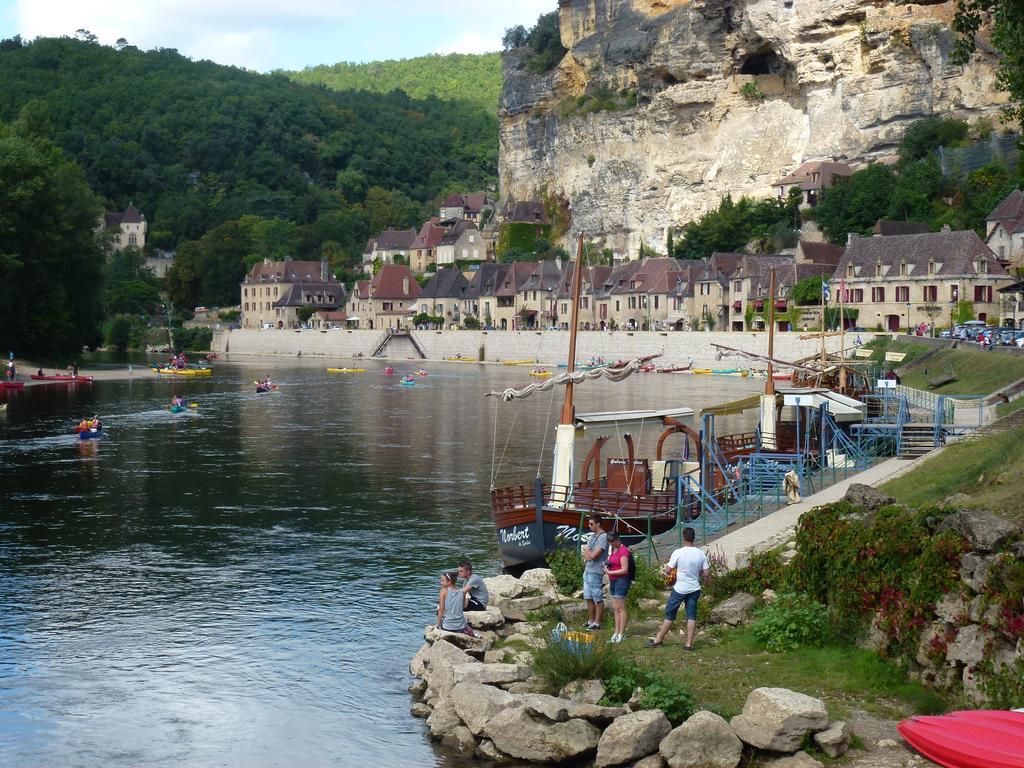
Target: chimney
(323, 270)
(851, 236)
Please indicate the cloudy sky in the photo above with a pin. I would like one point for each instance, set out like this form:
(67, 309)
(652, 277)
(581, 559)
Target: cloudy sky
(280, 34)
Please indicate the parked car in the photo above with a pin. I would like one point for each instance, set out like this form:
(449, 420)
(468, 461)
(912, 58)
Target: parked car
(197, 310)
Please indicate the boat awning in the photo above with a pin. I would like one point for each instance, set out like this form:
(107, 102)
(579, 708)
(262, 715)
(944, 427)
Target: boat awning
(841, 407)
(613, 423)
(736, 406)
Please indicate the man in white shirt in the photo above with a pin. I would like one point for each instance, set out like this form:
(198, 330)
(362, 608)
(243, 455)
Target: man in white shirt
(691, 566)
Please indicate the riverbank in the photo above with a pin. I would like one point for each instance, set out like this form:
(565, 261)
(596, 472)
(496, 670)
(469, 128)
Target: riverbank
(140, 372)
(540, 347)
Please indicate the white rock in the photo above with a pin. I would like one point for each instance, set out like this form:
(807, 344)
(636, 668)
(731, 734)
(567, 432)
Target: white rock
(631, 737)
(835, 739)
(490, 674)
(460, 739)
(779, 719)
(474, 704)
(418, 663)
(539, 580)
(503, 586)
(521, 734)
(488, 619)
(798, 760)
(443, 720)
(705, 740)
(588, 691)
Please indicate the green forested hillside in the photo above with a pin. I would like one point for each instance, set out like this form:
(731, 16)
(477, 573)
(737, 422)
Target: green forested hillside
(196, 144)
(455, 76)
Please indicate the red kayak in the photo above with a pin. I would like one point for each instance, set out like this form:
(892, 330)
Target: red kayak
(12, 384)
(63, 377)
(972, 739)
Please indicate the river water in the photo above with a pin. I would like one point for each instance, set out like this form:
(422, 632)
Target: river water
(244, 585)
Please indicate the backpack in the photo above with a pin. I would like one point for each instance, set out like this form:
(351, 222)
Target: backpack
(632, 566)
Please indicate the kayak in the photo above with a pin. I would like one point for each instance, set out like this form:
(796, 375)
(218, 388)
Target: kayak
(461, 360)
(346, 370)
(407, 382)
(517, 362)
(63, 377)
(421, 373)
(971, 739)
(707, 371)
(540, 374)
(92, 433)
(177, 408)
(186, 371)
(12, 384)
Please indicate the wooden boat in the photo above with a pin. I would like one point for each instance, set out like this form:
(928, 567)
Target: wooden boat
(971, 739)
(639, 497)
(12, 384)
(185, 371)
(63, 378)
(346, 370)
(673, 369)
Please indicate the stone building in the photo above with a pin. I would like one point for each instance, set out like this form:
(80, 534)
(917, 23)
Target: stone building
(905, 281)
(423, 250)
(1004, 231)
(461, 242)
(472, 207)
(443, 296)
(386, 301)
(127, 228)
(812, 178)
(388, 245)
(273, 292)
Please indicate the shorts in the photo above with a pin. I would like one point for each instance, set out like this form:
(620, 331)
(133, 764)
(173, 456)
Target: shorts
(675, 600)
(619, 588)
(593, 587)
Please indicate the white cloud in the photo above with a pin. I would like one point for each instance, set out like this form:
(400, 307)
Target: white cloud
(262, 34)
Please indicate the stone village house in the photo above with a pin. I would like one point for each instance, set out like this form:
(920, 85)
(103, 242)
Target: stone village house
(443, 295)
(127, 228)
(812, 178)
(386, 301)
(273, 292)
(1004, 231)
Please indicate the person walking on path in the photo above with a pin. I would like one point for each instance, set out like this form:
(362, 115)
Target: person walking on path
(474, 588)
(595, 554)
(691, 566)
(620, 568)
(451, 603)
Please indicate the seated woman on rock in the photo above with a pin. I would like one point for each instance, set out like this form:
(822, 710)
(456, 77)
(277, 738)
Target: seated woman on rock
(451, 603)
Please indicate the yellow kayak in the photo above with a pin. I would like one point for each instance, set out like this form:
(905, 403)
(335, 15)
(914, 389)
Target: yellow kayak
(540, 374)
(517, 362)
(186, 371)
(459, 360)
(702, 370)
(346, 370)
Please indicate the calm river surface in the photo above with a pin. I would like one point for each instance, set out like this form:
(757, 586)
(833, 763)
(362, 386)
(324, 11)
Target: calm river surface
(244, 585)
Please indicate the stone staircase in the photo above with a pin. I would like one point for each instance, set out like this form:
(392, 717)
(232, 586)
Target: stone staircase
(916, 439)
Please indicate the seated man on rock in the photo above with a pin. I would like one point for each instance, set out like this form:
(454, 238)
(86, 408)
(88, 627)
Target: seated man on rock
(474, 588)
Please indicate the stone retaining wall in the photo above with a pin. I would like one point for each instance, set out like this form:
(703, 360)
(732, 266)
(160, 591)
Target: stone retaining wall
(546, 347)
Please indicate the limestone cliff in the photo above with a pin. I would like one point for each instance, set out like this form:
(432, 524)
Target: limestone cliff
(649, 118)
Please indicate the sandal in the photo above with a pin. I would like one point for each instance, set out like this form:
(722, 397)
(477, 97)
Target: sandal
(652, 643)
(687, 647)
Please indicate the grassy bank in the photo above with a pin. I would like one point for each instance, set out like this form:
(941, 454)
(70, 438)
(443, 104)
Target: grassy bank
(987, 470)
(977, 372)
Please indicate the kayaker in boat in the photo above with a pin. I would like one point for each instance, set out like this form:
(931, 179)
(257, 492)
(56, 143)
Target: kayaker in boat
(177, 402)
(451, 603)
(40, 373)
(74, 369)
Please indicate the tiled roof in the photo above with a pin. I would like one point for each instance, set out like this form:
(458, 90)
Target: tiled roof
(371, 244)
(541, 276)
(826, 170)
(289, 271)
(130, 215)
(1011, 208)
(757, 268)
(395, 239)
(821, 253)
(887, 228)
(445, 284)
(429, 236)
(484, 280)
(593, 279)
(954, 253)
(452, 235)
(394, 281)
(528, 211)
(361, 289)
(293, 297)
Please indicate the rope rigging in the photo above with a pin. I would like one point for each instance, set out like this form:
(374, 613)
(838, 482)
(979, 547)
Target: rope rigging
(612, 373)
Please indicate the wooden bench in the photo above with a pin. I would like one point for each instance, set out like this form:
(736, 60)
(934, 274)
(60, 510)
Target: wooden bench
(941, 381)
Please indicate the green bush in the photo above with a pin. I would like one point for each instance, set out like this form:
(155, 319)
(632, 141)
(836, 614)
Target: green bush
(660, 691)
(471, 323)
(649, 582)
(567, 567)
(192, 339)
(766, 571)
(229, 315)
(559, 665)
(792, 621)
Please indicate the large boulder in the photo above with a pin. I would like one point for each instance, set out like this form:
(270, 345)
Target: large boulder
(444, 719)
(516, 608)
(586, 691)
(631, 737)
(705, 740)
(560, 710)
(539, 580)
(986, 532)
(974, 569)
(533, 685)
(969, 645)
(834, 740)
(488, 619)
(460, 739)
(867, 498)
(476, 644)
(503, 586)
(521, 734)
(490, 674)
(530, 641)
(475, 704)
(779, 719)
(651, 761)
(439, 664)
(734, 610)
(419, 661)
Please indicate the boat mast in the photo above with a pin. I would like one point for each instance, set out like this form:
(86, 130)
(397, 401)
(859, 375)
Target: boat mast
(577, 281)
(769, 420)
(565, 432)
(769, 387)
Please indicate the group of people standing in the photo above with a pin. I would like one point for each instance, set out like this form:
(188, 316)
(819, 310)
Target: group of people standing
(605, 554)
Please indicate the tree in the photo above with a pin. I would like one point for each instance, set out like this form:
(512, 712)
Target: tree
(924, 136)
(964, 312)
(1007, 17)
(304, 313)
(51, 258)
(854, 204)
(514, 37)
(669, 245)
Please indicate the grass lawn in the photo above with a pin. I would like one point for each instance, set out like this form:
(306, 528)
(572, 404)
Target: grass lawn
(1005, 409)
(978, 373)
(971, 467)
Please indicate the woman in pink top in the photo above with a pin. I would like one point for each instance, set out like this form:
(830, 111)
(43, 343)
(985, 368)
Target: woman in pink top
(619, 581)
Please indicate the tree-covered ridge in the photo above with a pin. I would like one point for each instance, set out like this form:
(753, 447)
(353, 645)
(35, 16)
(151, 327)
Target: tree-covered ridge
(196, 144)
(475, 78)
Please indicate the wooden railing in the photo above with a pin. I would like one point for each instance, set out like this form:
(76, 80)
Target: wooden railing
(583, 497)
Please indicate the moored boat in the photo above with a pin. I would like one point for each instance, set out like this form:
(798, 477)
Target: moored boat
(12, 384)
(970, 739)
(63, 378)
(346, 370)
(185, 371)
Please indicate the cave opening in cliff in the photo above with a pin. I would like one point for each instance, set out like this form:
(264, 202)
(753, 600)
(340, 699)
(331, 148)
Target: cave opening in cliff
(763, 62)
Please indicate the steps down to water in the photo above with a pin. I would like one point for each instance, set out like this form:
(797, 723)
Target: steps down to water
(916, 439)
